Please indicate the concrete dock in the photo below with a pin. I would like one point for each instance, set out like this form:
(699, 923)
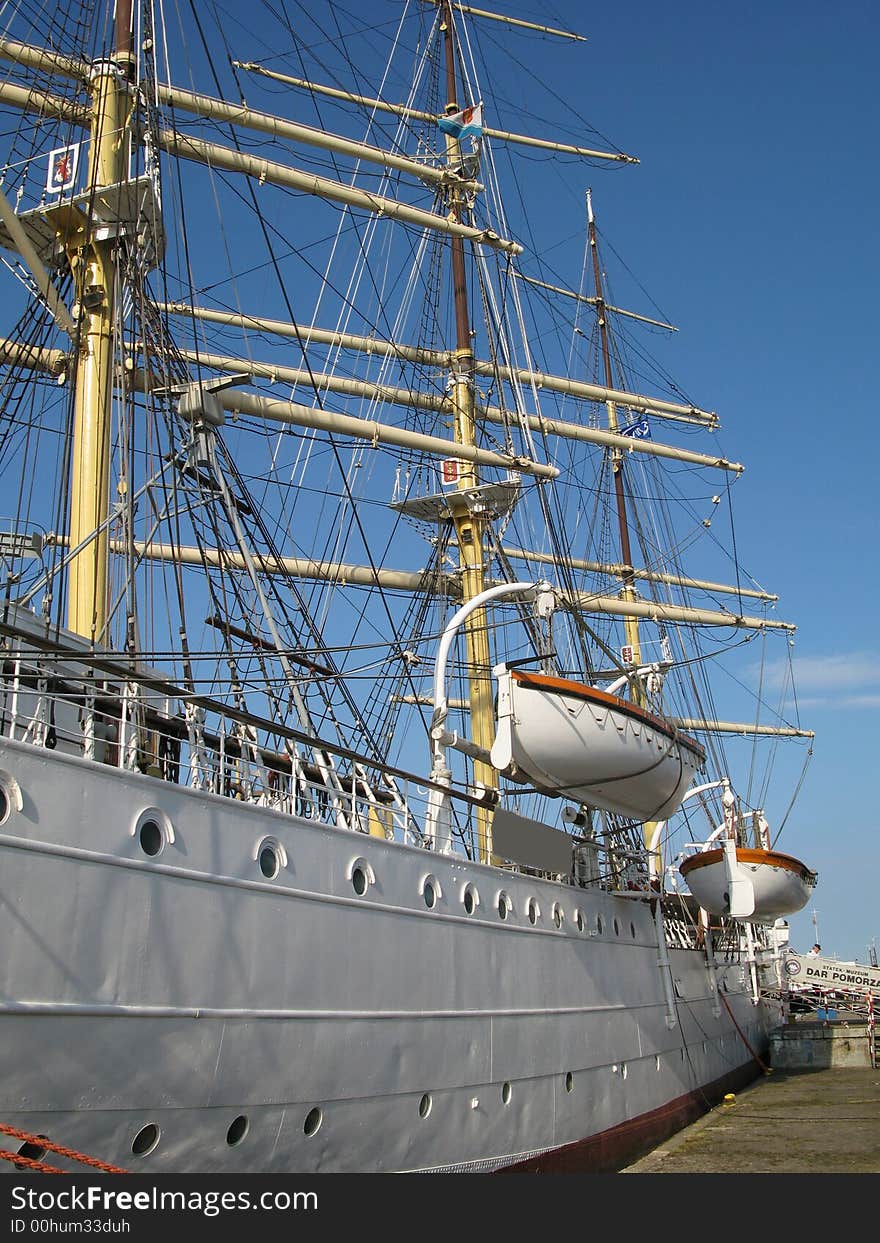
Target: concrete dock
(790, 1121)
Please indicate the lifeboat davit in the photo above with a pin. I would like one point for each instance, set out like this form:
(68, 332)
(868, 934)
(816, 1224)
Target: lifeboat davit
(576, 741)
(746, 883)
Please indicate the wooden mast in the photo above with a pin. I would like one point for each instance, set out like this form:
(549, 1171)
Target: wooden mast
(628, 593)
(94, 270)
(469, 528)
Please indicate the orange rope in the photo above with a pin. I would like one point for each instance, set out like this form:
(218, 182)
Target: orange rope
(766, 1069)
(26, 1163)
(39, 1142)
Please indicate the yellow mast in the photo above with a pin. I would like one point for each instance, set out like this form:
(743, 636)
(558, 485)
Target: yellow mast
(469, 528)
(93, 265)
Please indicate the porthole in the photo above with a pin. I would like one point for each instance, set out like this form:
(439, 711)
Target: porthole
(150, 837)
(632, 929)
(313, 1121)
(361, 876)
(533, 911)
(504, 907)
(616, 926)
(269, 856)
(557, 915)
(425, 1105)
(430, 891)
(579, 920)
(153, 831)
(34, 1152)
(569, 1081)
(505, 1093)
(146, 1140)
(470, 898)
(623, 1070)
(238, 1128)
(656, 1061)
(269, 865)
(10, 796)
(599, 924)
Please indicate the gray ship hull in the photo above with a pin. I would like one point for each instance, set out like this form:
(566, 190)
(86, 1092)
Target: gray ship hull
(180, 1012)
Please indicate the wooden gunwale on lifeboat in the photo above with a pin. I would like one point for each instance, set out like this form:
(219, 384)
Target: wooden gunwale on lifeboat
(747, 854)
(562, 686)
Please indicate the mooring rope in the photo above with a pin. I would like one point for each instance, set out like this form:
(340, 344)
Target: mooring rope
(768, 1070)
(40, 1142)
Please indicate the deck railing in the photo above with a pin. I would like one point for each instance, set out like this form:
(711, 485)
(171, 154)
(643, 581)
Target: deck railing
(91, 706)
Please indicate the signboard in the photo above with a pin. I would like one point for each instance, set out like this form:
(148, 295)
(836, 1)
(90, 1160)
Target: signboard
(531, 843)
(61, 173)
(450, 470)
(802, 971)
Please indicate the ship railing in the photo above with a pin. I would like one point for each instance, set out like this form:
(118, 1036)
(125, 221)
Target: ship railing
(124, 724)
(69, 704)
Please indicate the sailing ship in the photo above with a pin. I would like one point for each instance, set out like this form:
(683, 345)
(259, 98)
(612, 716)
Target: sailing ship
(357, 701)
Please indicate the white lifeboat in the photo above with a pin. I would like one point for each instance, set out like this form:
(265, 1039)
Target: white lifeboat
(578, 742)
(747, 883)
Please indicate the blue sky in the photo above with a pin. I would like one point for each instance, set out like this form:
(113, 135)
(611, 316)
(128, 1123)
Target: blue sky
(752, 221)
(749, 221)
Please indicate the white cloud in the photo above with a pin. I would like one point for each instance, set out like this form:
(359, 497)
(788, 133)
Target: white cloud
(854, 671)
(840, 701)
